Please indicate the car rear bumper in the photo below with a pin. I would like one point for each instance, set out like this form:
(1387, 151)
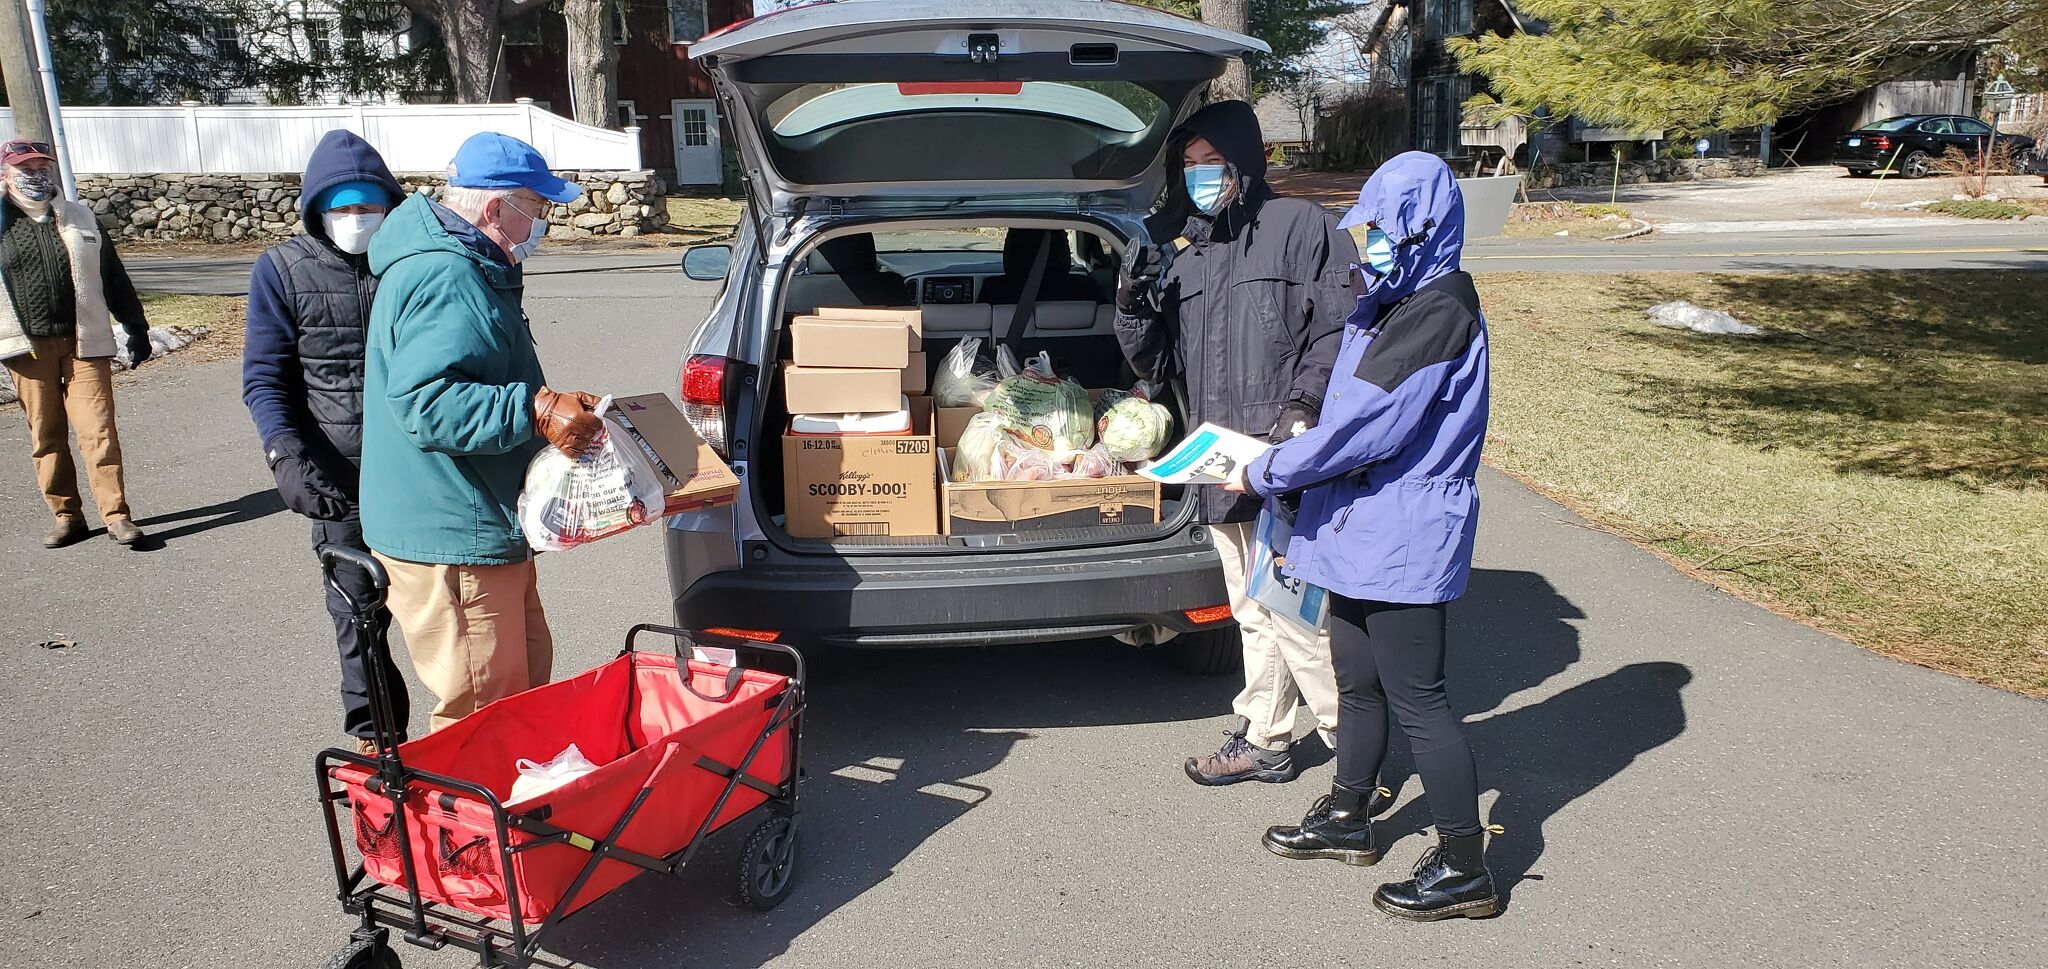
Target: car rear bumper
(961, 600)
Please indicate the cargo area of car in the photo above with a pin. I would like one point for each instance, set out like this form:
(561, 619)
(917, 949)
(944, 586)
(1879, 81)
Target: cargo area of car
(967, 279)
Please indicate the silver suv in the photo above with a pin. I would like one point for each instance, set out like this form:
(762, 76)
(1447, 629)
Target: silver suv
(913, 152)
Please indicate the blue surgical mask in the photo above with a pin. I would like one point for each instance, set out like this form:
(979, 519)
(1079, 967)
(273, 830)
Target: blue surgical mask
(1206, 184)
(1379, 251)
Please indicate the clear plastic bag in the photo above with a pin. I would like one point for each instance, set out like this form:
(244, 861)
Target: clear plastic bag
(537, 779)
(1050, 413)
(1096, 462)
(1022, 462)
(977, 457)
(573, 501)
(965, 378)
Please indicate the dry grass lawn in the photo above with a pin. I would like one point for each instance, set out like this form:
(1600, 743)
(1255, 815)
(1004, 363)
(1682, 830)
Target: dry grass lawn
(1876, 465)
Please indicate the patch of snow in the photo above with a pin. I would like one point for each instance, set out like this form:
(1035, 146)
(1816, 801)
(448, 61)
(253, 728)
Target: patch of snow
(1562, 232)
(1681, 315)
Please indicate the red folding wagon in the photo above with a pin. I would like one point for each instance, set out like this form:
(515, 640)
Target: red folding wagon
(684, 748)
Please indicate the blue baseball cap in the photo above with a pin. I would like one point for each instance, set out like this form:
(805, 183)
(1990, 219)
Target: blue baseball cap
(491, 160)
(359, 192)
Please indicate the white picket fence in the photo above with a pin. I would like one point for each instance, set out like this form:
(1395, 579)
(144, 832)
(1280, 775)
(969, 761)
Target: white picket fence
(209, 140)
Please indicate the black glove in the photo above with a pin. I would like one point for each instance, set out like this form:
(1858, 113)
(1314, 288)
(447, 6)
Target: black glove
(1296, 416)
(138, 348)
(304, 487)
(1140, 275)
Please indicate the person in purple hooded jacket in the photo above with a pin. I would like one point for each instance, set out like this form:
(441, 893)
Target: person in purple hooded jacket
(1389, 506)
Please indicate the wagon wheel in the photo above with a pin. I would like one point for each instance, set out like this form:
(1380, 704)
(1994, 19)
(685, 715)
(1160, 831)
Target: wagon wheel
(371, 953)
(768, 864)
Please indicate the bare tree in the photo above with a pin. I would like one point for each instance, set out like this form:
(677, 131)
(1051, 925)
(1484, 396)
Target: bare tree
(1236, 81)
(593, 61)
(473, 32)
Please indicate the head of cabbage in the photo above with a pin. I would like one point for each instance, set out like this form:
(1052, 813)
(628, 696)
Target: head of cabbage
(1135, 429)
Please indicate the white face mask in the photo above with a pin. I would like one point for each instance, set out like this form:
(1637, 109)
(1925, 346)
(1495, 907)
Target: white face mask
(537, 230)
(351, 233)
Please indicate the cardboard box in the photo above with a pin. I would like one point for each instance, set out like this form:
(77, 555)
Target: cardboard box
(949, 422)
(994, 507)
(819, 342)
(909, 316)
(840, 390)
(916, 375)
(696, 477)
(869, 485)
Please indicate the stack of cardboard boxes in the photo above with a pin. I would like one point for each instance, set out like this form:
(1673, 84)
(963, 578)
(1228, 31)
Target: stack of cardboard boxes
(859, 360)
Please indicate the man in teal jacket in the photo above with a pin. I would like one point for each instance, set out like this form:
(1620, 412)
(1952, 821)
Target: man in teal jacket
(454, 406)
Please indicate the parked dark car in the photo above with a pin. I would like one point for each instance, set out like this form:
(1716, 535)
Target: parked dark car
(1908, 145)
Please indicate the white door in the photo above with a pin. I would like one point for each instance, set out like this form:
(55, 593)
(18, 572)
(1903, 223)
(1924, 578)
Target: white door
(698, 158)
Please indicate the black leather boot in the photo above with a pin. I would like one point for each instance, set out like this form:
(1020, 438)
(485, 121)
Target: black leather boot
(1338, 826)
(1451, 881)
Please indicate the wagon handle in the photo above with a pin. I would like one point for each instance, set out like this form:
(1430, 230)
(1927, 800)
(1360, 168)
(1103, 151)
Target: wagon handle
(334, 555)
(740, 647)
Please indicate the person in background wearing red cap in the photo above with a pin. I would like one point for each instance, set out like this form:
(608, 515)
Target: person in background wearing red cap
(65, 288)
(454, 407)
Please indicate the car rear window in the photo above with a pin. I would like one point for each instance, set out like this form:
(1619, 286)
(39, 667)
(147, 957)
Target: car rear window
(825, 133)
(1892, 124)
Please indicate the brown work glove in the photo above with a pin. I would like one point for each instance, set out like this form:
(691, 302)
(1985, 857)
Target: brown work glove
(566, 420)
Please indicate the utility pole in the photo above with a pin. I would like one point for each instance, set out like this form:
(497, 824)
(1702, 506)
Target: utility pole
(24, 88)
(39, 29)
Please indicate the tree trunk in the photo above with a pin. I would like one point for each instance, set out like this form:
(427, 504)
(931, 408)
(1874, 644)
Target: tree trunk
(1235, 84)
(593, 62)
(473, 31)
(24, 86)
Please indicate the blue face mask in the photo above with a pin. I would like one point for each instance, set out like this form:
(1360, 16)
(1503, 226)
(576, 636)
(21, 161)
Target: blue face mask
(1205, 185)
(1379, 251)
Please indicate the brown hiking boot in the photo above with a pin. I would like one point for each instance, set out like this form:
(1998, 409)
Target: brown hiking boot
(1239, 760)
(68, 531)
(124, 531)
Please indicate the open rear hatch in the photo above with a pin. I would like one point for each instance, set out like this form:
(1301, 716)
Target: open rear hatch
(966, 101)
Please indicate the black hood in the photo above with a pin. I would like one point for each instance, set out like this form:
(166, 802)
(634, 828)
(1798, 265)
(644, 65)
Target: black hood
(1233, 128)
(340, 157)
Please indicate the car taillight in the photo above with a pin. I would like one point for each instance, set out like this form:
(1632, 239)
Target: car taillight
(1203, 617)
(704, 398)
(1882, 143)
(752, 635)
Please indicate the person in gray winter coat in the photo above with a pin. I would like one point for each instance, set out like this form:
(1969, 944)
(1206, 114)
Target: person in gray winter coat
(1243, 295)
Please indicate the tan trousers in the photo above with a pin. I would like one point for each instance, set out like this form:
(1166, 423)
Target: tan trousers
(476, 632)
(62, 394)
(1284, 665)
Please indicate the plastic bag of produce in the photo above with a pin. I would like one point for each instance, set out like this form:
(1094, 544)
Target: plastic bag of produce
(1132, 426)
(976, 457)
(1022, 462)
(965, 377)
(1051, 414)
(572, 501)
(1096, 462)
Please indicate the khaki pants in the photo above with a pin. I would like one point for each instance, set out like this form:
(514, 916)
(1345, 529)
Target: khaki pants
(62, 394)
(476, 632)
(1284, 665)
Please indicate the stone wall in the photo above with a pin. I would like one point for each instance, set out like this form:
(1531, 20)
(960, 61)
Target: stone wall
(1641, 172)
(265, 208)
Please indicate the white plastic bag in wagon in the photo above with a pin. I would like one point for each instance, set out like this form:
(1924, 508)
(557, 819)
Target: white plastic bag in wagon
(573, 501)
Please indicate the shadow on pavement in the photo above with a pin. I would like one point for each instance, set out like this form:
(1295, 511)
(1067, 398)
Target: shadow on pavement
(895, 751)
(248, 508)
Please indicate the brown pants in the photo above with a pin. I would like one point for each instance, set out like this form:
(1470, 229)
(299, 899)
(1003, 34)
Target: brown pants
(476, 632)
(62, 394)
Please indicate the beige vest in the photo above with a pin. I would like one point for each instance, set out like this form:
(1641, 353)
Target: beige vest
(80, 232)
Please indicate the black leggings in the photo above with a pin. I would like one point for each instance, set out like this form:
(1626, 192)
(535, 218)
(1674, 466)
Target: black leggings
(1393, 653)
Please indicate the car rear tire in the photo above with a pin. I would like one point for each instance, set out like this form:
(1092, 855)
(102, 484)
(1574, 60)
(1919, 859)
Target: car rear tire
(1211, 652)
(1918, 164)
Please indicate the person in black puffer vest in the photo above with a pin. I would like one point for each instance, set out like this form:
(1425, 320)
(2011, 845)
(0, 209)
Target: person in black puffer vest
(302, 376)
